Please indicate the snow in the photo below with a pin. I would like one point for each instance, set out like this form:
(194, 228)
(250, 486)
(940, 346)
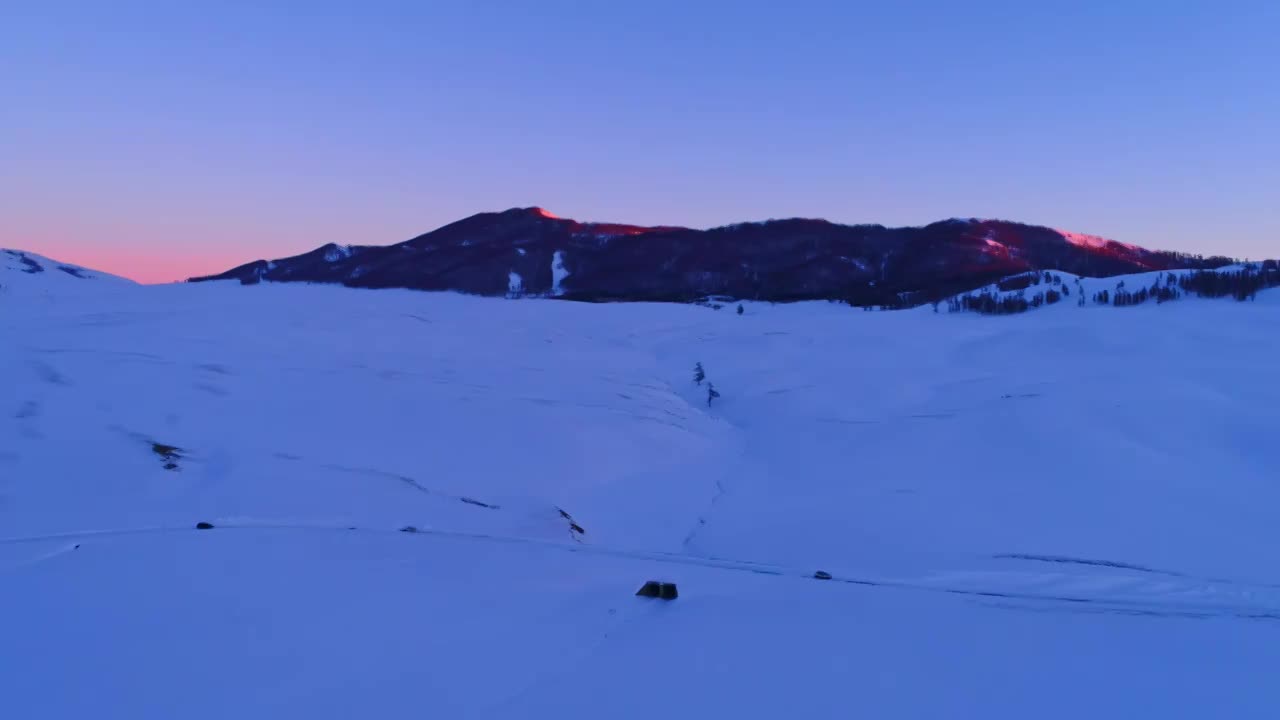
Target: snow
(856, 262)
(1092, 241)
(990, 239)
(334, 253)
(1059, 514)
(558, 273)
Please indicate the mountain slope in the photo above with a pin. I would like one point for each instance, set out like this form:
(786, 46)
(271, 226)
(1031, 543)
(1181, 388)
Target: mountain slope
(530, 251)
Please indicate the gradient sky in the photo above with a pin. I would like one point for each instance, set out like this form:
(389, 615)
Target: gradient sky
(164, 139)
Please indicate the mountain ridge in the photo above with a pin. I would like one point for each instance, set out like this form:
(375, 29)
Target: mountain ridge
(531, 252)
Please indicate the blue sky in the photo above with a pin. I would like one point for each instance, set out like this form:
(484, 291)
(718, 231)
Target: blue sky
(164, 139)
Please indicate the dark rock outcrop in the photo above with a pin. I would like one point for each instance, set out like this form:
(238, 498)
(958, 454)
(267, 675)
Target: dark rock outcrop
(660, 590)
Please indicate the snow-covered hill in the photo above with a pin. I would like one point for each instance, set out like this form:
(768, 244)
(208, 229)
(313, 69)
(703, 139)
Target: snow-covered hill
(35, 276)
(1057, 515)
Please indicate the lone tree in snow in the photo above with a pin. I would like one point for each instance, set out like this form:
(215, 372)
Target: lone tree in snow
(711, 394)
(698, 374)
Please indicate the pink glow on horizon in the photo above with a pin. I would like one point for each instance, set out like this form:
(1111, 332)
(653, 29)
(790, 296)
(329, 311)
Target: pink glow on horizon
(161, 262)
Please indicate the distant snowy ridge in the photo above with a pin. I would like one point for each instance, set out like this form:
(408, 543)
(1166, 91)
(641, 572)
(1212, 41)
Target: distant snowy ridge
(1029, 291)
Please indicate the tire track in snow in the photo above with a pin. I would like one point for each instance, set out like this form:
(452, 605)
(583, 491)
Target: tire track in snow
(1152, 608)
(1068, 560)
(42, 558)
(557, 673)
(1063, 559)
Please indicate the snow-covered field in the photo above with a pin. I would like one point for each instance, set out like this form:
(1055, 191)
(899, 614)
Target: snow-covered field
(1063, 514)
